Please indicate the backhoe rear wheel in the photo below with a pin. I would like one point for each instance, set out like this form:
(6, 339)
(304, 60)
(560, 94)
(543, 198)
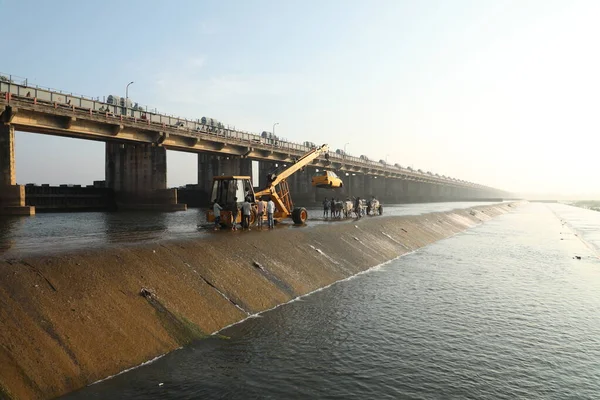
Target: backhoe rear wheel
(299, 215)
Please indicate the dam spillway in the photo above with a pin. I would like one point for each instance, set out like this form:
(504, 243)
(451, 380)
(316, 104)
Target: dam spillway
(71, 319)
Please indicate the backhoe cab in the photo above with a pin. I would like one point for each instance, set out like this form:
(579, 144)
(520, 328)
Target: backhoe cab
(227, 191)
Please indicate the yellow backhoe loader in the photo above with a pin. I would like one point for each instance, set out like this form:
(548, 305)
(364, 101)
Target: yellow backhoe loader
(226, 188)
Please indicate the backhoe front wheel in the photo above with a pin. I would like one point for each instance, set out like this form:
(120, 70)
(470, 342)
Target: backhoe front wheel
(299, 215)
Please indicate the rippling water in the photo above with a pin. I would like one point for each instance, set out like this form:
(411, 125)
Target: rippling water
(57, 232)
(502, 311)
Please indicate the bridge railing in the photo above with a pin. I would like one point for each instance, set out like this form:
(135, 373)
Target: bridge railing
(19, 87)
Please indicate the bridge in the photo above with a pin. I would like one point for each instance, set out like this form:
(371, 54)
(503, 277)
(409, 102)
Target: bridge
(137, 140)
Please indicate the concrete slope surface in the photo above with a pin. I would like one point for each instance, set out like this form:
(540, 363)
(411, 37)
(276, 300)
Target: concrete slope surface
(69, 320)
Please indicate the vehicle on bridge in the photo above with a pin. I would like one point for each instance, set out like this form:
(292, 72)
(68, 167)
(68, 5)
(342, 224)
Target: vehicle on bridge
(383, 162)
(327, 179)
(211, 124)
(340, 152)
(363, 157)
(310, 145)
(270, 138)
(227, 188)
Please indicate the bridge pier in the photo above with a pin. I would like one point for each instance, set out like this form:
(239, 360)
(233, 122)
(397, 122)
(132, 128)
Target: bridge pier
(304, 193)
(393, 191)
(138, 175)
(378, 188)
(410, 189)
(12, 196)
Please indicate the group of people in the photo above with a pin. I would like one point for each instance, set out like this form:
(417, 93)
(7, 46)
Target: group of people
(335, 206)
(358, 206)
(263, 208)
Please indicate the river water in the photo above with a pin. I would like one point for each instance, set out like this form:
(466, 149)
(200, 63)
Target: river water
(502, 311)
(59, 232)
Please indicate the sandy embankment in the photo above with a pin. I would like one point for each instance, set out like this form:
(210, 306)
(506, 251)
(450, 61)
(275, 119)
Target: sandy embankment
(69, 320)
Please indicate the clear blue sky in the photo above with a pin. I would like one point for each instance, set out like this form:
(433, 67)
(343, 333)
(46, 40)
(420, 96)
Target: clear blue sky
(503, 93)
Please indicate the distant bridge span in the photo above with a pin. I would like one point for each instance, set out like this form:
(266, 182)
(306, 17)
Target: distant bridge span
(137, 139)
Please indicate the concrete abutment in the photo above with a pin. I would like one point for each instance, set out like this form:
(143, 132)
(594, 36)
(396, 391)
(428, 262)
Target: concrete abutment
(12, 196)
(138, 175)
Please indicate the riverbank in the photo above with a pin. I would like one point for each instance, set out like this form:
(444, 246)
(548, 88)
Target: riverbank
(72, 319)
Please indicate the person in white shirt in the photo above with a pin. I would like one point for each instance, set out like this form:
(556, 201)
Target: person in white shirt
(246, 211)
(217, 213)
(261, 212)
(270, 211)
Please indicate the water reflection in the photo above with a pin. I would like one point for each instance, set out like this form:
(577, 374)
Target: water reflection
(7, 226)
(138, 227)
(60, 232)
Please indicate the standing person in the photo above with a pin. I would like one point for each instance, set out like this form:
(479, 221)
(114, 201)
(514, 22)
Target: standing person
(235, 210)
(246, 211)
(270, 211)
(217, 213)
(357, 208)
(333, 207)
(261, 211)
(326, 205)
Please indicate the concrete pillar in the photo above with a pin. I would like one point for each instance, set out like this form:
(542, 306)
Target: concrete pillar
(356, 185)
(393, 191)
(7, 156)
(405, 191)
(138, 175)
(435, 192)
(377, 188)
(367, 187)
(12, 196)
(422, 192)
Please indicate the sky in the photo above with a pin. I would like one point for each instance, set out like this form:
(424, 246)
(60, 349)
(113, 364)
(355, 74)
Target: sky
(502, 93)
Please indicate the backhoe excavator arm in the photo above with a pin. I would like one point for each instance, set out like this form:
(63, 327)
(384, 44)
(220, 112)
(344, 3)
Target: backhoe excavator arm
(299, 164)
(302, 162)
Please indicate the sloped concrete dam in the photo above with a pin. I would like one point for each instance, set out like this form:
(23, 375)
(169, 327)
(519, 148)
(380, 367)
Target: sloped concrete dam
(69, 320)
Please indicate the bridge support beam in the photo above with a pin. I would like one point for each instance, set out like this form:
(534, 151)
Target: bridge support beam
(12, 196)
(138, 175)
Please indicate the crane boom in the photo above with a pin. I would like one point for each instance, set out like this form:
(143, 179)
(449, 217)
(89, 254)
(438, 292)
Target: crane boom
(277, 186)
(299, 164)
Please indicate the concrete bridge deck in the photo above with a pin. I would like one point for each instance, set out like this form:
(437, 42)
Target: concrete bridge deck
(136, 159)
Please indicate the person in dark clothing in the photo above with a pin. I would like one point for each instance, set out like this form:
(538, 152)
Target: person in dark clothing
(357, 208)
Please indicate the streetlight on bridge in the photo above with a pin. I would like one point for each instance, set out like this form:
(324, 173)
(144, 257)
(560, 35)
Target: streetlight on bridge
(276, 123)
(127, 97)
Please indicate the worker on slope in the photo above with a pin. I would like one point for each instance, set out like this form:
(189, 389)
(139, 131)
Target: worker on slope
(326, 205)
(246, 211)
(217, 213)
(262, 208)
(270, 211)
